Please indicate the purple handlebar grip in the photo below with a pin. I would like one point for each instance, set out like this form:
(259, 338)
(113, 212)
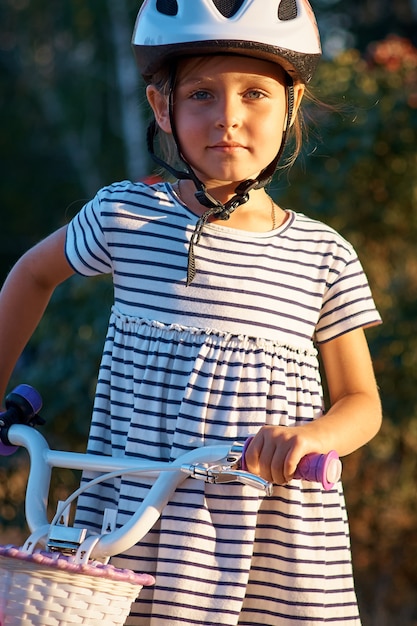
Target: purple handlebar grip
(322, 468)
(7, 450)
(243, 460)
(31, 396)
(34, 399)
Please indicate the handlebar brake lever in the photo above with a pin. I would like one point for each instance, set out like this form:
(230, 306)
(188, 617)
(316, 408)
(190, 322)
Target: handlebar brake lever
(231, 475)
(219, 474)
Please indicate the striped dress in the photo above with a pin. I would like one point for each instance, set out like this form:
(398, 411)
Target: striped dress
(211, 363)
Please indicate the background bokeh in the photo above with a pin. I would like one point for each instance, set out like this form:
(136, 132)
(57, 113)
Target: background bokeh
(73, 119)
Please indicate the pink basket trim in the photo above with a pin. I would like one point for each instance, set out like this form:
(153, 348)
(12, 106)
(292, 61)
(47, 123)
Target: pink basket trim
(66, 563)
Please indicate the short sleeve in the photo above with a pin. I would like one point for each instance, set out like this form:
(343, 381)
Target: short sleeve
(348, 303)
(86, 247)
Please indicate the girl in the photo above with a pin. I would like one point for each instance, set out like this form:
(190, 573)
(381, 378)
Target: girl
(216, 326)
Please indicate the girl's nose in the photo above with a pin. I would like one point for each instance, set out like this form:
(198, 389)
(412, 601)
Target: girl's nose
(228, 114)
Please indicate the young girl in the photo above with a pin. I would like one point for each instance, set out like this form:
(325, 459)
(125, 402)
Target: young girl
(223, 300)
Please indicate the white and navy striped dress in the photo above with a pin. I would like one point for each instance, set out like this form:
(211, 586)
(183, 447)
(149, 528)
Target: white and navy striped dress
(211, 363)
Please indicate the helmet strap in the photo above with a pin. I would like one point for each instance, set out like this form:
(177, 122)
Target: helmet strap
(266, 175)
(222, 211)
(242, 190)
(214, 207)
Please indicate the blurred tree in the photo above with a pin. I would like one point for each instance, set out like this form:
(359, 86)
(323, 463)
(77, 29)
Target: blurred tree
(360, 177)
(70, 97)
(354, 24)
(359, 174)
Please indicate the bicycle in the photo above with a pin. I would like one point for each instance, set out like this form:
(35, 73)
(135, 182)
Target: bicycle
(68, 579)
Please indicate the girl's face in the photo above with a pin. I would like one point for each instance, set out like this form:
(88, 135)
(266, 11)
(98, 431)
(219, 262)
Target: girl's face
(230, 114)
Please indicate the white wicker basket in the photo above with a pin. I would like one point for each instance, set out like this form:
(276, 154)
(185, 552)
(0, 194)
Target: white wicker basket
(44, 589)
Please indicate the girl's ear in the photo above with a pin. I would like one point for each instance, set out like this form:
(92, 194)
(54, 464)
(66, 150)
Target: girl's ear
(299, 89)
(160, 108)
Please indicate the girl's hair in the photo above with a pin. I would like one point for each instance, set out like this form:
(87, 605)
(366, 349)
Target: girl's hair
(168, 148)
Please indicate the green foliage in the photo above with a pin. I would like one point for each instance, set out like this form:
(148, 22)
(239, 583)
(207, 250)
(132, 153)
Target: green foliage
(359, 174)
(61, 136)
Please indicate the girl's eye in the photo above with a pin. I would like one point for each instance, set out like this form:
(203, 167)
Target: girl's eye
(255, 94)
(200, 95)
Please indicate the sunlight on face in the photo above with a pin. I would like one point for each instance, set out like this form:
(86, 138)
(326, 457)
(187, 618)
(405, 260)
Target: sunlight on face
(230, 113)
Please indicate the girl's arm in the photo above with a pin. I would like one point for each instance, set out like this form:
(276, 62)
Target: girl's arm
(355, 415)
(353, 419)
(25, 295)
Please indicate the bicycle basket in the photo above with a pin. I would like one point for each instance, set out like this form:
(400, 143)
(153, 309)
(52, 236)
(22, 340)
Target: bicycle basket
(50, 589)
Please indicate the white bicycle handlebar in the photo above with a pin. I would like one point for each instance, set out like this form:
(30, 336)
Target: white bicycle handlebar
(213, 464)
(209, 463)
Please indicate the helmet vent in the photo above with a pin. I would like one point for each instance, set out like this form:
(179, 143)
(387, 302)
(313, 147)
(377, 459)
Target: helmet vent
(167, 7)
(287, 10)
(228, 8)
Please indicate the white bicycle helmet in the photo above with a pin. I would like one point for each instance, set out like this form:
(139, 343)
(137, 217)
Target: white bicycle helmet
(282, 31)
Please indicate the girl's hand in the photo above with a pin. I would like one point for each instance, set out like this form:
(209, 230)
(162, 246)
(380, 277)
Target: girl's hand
(275, 452)
(353, 418)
